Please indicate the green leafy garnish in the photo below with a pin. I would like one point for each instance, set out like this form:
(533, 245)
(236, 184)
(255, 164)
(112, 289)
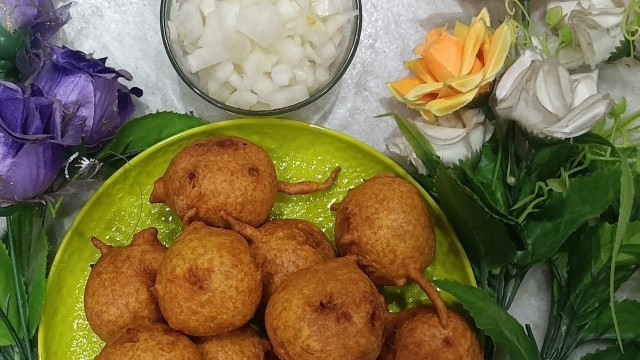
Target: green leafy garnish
(492, 320)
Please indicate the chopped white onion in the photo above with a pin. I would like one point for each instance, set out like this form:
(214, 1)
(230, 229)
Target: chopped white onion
(243, 99)
(261, 23)
(261, 54)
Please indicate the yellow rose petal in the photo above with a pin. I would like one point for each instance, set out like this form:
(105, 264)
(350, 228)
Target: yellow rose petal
(418, 67)
(427, 114)
(401, 87)
(466, 83)
(460, 31)
(484, 16)
(485, 47)
(419, 91)
(500, 45)
(472, 45)
(434, 34)
(443, 57)
(444, 106)
(477, 67)
(424, 100)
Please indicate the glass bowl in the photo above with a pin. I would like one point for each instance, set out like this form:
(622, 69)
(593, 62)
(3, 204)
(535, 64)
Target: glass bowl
(337, 68)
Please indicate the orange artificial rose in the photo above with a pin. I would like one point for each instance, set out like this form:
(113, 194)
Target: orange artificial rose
(454, 68)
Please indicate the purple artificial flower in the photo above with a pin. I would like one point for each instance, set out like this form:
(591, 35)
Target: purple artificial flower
(30, 158)
(95, 103)
(40, 16)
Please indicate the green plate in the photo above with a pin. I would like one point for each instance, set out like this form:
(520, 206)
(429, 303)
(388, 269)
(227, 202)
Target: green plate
(120, 208)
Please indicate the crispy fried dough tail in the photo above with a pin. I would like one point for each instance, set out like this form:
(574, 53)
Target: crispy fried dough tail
(146, 236)
(307, 187)
(158, 195)
(433, 295)
(104, 248)
(247, 231)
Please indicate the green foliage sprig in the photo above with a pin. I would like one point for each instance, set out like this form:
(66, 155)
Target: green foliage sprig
(522, 201)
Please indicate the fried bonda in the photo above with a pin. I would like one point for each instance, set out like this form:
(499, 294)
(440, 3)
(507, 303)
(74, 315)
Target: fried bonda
(416, 334)
(118, 292)
(386, 225)
(241, 344)
(225, 173)
(150, 342)
(207, 283)
(329, 310)
(283, 246)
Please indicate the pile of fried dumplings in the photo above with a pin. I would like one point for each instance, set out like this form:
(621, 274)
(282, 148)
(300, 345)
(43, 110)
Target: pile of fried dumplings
(234, 285)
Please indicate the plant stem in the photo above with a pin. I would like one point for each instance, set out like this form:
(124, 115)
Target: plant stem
(526, 16)
(489, 348)
(12, 331)
(514, 289)
(18, 288)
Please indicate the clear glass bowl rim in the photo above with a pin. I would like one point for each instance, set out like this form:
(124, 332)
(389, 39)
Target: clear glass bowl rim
(164, 29)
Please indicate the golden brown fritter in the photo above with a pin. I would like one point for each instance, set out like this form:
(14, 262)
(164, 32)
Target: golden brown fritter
(416, 334)
(385, 223)
(225, 173)
(240, 344)
(208, 283)
(118, 292)
(282, 247)
(326, 311)
(150, 342)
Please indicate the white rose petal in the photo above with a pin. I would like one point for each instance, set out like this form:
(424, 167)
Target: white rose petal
(455, 137)
(545, 99)
(597, 30)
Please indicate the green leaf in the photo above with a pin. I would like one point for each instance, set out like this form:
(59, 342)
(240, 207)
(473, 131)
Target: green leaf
(629, 254)
(631, 352)
(626, 203)
(8, 302)
(484, 238)
(31, 252)
(628, 319)
(589, 270)
(485, 178)
(554, 16)
(544, 164)
(421, 146)
(11, 44)
(623, 50)
(546, 230)
(494, 321)
(139, 134)
(12, 209)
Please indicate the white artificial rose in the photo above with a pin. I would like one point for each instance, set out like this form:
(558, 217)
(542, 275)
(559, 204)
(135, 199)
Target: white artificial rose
(453, 137)
(597, 29)
(545, 99)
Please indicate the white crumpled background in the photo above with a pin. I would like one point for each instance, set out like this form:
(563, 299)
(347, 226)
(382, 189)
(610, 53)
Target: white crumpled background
(128, 32)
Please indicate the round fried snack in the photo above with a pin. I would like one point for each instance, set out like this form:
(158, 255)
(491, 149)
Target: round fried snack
(240, 344)
(385, 223)
(119, 289)
(225, 173)
(416, 334)
(208, 283)
(327, 311)
(150, 342)
(282, 247)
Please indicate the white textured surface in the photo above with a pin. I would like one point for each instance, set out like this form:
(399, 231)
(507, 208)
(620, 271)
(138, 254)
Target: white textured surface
(127, 31)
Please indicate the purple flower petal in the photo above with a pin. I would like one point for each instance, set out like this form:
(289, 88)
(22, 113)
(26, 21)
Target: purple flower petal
(26, 118)
(95, 103)
(40, 16)
(27, 169)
